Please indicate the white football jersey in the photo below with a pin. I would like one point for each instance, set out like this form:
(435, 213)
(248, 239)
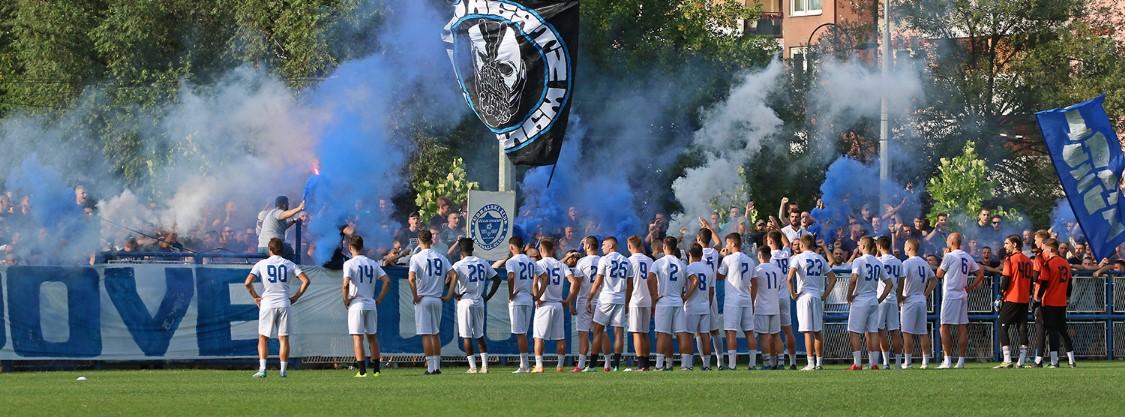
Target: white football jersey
(523, 270)
(473, 275)
(892, 268)
(362, 272)
(957, 266)
(275, 273)
(711, 259)
(738, 270)
(429, 268)
(642, 266)
(870, 272)
(769, 278)
(614, 269)
(557, 273)
(812, 271)
(916, 271)
(586, 270)
(780, 258)
(698, 302)
(670, 280)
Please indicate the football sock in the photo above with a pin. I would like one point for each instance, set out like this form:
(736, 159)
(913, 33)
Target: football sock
(644, 362)
(581, 360)
(906, 359)
(261, 364)
(1054, 358)
(857, 358)
(1007, 353)
(948, 360)
(960, 361)
(753, 358)
(731, 360)
(472, 361)
(707, 361)
(484, 359)
(873, 358)
(886, 359)
(715, 339)
(524, 364)
(792, 359)
(1070, 357)
(616, 360)
(375, 364)
(1038, 359)
(605, 360)
(898, 359)
(284, 365)
(659, 361)
(811, 358)
(560, 360)
(925, 359)
(1023, 355)
(538, 361)
(685, 360)
(429, 364)
(819, 361)
(361, 366)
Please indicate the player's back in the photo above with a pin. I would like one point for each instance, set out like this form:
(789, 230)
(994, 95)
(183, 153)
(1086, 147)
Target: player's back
(1018, 268)
(275, 273)
(524, 271)
(738, 270)
(429, 268)
(811, 272)
(615, 269)
(362, 273)
(1058, 274)
(780, 258)
(957, 266)
(711, 259)
(916, 271)
(870, 272)
(698, 302)
(670, 279)
(892, 270)
(556, 274)
(472, 275)
(586, 270)
(769, 278)
(642, 266)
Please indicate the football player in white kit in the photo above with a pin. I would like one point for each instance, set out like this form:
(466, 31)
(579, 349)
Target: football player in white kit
(736, 271)
(584, 273)
(549, 311)
(472, 274)
(275, 273)
(711, 259)
(779, 256)
(360, 273)
(954, 273)
(429, 272)
(697, 307)
(917, 283)
(669, 314)
(808, 272)
(609, 287)
(863, 295)
(638, 296)
(522, 272)
(767, 318)
(888, 309)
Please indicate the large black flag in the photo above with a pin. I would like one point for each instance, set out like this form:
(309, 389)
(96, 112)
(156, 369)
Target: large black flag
(515, 61)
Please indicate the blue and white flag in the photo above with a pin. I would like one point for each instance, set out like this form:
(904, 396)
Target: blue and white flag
(1088, 159)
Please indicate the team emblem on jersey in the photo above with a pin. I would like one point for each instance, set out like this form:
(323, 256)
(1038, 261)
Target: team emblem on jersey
(490, 226)
(513, 67)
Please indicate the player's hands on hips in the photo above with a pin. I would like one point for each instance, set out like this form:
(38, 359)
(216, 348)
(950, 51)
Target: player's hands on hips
(417, 299)
(590, 308)
(851, 298)
(258, 301)
(293, 300)
(445, 299)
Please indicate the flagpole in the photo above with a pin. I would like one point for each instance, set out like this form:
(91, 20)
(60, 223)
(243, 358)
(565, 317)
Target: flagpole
(507, 171)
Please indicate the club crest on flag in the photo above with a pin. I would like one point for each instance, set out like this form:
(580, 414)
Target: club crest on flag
(489, 228)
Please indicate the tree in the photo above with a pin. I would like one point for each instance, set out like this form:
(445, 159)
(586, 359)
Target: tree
(962, 186)
(453, 186)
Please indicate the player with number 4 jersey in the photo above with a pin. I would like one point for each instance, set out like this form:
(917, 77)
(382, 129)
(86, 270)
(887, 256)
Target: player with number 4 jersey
(917, 283)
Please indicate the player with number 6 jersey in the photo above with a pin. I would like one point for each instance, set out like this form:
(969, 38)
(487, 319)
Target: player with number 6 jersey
(954, 273)
(275, 273)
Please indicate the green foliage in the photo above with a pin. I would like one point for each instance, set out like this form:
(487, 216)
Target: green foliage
(453, 185)
(962, 186)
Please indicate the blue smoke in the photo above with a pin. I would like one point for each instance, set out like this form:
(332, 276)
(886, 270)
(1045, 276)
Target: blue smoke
(70, 235)
(365, 142)
(604, 199)
(848, 187)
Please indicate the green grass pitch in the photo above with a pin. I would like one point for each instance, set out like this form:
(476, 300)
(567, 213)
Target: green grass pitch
(1093, 389)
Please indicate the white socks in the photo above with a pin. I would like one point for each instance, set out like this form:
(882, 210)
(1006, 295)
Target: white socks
(898, 360)
(819, 361)
(606, 360)
(1054, 358)
(907, 359)
(732, 358)
(484, 360)
(873, 359)
(857, 358)
(925, 359)
(523, 361)
(284, 365)
(1023, 355)
(581, 361)
(886, 359)
(472, 361)
(1007, 353)
(685, 361)
(812, 359)
(960, 361)
(1070, 356)
(707, 361)
(659, 361)
(538, 361)
(753, 358)
(261, 365)
(948, 360)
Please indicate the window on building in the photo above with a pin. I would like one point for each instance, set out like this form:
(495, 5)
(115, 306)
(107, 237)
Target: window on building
(805, 7)
(799, 59)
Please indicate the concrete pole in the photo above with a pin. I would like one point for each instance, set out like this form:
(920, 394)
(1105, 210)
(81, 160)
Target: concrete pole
(507, 171)
(884, 116)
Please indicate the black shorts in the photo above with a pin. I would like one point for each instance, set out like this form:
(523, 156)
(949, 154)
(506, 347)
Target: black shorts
(1054, 317)
(1013, 313)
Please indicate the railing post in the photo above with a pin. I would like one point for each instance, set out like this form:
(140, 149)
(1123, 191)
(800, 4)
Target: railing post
(297, 244)
(1109, 313)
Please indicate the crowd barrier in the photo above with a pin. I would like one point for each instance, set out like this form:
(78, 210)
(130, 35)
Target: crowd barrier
(145, 312)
